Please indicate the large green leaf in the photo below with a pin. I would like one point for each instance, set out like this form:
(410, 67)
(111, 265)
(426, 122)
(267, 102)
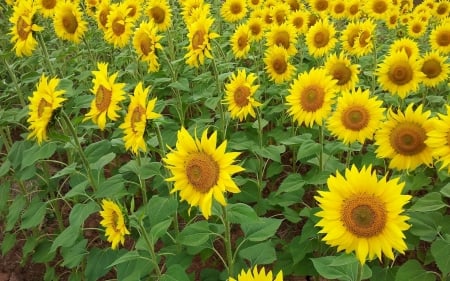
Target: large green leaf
(98, 261)
(430, 202)
(195, 234)
(241, 213)
(175, 273)
(440, 250)
(34, 214)
(160, 208)
(343, 267)
(413, 271)
(15, 209)
(66, 238)
(38, 152)
(74, 254)
(81, 211)
(262, 230)
(259, 254)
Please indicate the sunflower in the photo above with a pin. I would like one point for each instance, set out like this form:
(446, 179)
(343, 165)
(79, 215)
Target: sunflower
(353, 9)
(299, 20)
(102, 13)
(405, 44)
(280, 13)
(338, 10)
(188, 7)
(294, 5)
(311, 96)
(267, 16)
(46, 7)
(442, 9)
(357, 116)
(377, 9)
(399, 74)
(363, 214)
(91, 7)
(134, 8)
(439, 140)
(240, 41)
(440, 38)
(402, 138)
(256, 26)
(139, 111)
(160, 13)
(107, 96)
(319, 6)
(342, 70)
(233, 10)
(277, 64)
(392, 18)
(199, 41)
(320, 38)
(146, 42)
(435, 68)
(23, 28)
(239, 95)
(114, 222)
(282, 35)
(254, 4)
(257, 276)
(44, 101)
(357, 37)
(68, 22)
(417, 27)
(118, 26)
(201, 170)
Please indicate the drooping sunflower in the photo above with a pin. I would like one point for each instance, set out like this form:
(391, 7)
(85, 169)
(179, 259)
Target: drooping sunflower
(435, 68)
(139, 111)
(102, 13)
(357, 116)
(402, 138)
(114, 222)
(320, 38)
(146, 42)
(405, 44)
(277, 64)
(256, 26)
(254, 275)
(417, 27)
(377, 9)
(363, 214)
(440, 38)
(233, 10)
(399, 74)
(439, 139)
(311, 96)
(199, 41)
(201, 171)
(160, 13)
(108, 94)
(239, 92)
(240, 41)
(342, 70)
(282, 35)
(46, 7)
(23, 27)
(68, 21)
(118, 26)
(299, 20)
(44, 101)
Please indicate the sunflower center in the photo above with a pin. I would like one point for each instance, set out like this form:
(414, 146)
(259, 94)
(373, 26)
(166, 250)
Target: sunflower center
(321, 38)
(103, 17)
(48, 4)
(321, 5)
(364, 215)
(242, 42)
(23, 29)
(280, 66)
(136, 116)
(236, 8)
(146, 45)
(118, 27)
(198, 39)
(255, 2)
(241, 96)
(280, 17)
(408, 138)
(202, 172)
(353, 10)
(132, 11)
(70, 22)
(380, 7)
(416, 28)
(103, 98)
(115, 221)
(298, 22)
(355, 118)
(441, 9)
(158, 14)
(255, 29)
(352, 36)
(339, 8)
(443, 38)
(431, 68)
(364, 38)
(400, 73)
(41, 107)
(393, 19)
(282, 39)
(341, 73)
(312, 98)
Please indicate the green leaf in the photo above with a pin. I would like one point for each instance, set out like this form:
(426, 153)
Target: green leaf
(66, 238)
(413, 271)
(272, 152)
(34, 214)
(4, 168)
(430, 202)
(74, 255)
(159, 208)
(42, 252)
(133, 270)
(426, 225)
(159, 229)
(440, 250)
(37, 152)
(175, 273)
(15, 209)
(80, 212)
(96, 150)
(9, 239)
(291, 183)
(383, 273)
(181, 84)
(29, 246)
(146, 170)
(195, 234)
(446, 190)
(258, 254)
(68, 170)
(128, 256)
(103, 161)
(343, 267)
(241, 213)
(113, 187)
(4, 195)
(77, 190)
(307, 149)
(98, 261)
(262, 230)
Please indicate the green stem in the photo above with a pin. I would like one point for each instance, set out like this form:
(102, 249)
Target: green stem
(151, 249)
(227, 241)
(142, 181)
(219, 91)
(5, 139)
(45, 52)
(321, 148)
(89, 50)
(16, 84)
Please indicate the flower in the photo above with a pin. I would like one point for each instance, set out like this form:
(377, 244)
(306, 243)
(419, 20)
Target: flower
(107, 96)
(256, 27)
(337, 9)
(403, 138)
(160, 13)
(240, 41)
(118, 26)
(277, 64)
(377, 9)
(319, 6)
(357, 116)
(439, 140)
(299, 20)
(139, 111)
(134, 8)
(342, 70)
(282, 35)
(353, 9)
(363, 214)
(416, 27)
(233, 10)
(440, 38)
(188, 7)
(357, 37)
(114, 223)
(435, 68)
(68, 22)
(257, 276)
(239, 95)
(201, 170)
(46, 7)
(320, 38)
(146, 42)
(311, 97)
(199, 41)
(102, 13)
(405, 44)
(280, 12)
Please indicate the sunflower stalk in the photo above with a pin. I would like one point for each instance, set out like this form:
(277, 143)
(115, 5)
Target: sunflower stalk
(227, 242)
(151, 249)
(219, 91)
(46, 56)
(16, 84)
(142, 181)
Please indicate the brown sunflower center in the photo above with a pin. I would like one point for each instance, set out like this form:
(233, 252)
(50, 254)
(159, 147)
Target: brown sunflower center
(103, 98)
(48, 4)
(23, 29)
(158, 14)
(242, 42)
(442, 9)
(202, 172)
(41, 106)
(236, 8)
(416, 28)
(355, 118)
(103, 17)
(255, 2)
(279, 65)
(241, 96)
(282, 39)
(443, 38)
(280, 17)
(408, 138)
(255, 29)
(393, 19)
(115, 221)
(431, 68)
(298, 22)
(118, 27)
(380, 6)
(294, 5)
(401, 73)
(146, 45)
(268, 19)
(312, 98)
(70, 22)
(132, 10)
(136, 116)
(321, 5)
(341, 73)
(353, 9)
(321, 38)
(364, 215)
(364, 38)
(352, 36)
(339, 8)
(198, 39)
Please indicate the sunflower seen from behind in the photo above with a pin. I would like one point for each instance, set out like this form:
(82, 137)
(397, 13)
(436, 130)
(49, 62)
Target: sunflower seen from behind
(114, 223)
(146, 43)
(439, 140)
(343, 71)
(435, 68)
(200, 37)
(68, 21)
(320, 38)
(201, 171)
(277, 64)
(255, 275)
(43, 102)
(363, 214)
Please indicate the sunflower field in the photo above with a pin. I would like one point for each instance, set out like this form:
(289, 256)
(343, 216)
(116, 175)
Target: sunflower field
(240, 140)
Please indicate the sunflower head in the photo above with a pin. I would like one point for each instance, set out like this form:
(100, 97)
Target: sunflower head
(114, 222)
(440, 38)
(435, 68)
(342, 70)
(277, 64)
(233, 10)
(68, 22)
(320, 38)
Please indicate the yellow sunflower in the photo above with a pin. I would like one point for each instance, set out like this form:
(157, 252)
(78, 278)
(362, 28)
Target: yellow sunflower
(377, 9)
(114, 222)
(91, 7)
(188, 6)
(440, 38)
(311, 96)
(320, 38)
(199, 41)
(233, 10)
(319, 6)
(23, 27)
(134, 8)
(353, 9)
(118, 26)
(282, 35)
(146, 42)
(392, 18)
(108, 94)
(435, 68)
(357, 37)
(338, 10)
(405, 44)
(102, 13)
(240, 41)
(417, 27)
(294, 5)
(402, 138)
(239, 95)
(280, 12)
(254, 275)
(299, 20)
(254, 4)
(439, 140)
(256, 26)
(342, 70)
(399, 74)
(160, 13)
(277, 65)
(442, 9)
(44, 101)
(46, 7)
(201, 170)
(363, 214)
(357, 116)
(68, 22)
(139, 111)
